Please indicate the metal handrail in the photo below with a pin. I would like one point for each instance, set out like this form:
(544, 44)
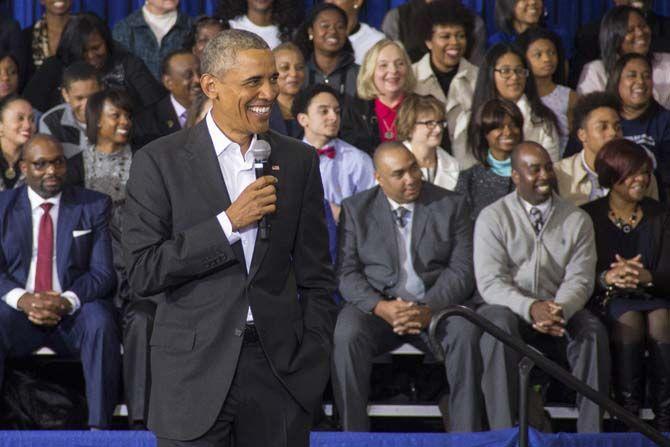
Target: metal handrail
(550, 367)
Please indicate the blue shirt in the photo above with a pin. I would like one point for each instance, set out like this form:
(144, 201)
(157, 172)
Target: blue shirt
(351, 171)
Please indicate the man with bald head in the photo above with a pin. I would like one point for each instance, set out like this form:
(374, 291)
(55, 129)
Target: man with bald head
(57, 276)
(405, 253)
(241, 344)
(535, 260)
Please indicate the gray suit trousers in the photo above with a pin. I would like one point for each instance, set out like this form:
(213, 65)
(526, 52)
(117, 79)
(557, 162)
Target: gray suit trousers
(360, 337)
(587, 351)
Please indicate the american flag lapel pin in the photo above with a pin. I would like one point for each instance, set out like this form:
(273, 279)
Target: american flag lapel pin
(275, 167)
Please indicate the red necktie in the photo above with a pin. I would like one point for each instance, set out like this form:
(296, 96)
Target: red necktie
(328, 151)
(45, 251)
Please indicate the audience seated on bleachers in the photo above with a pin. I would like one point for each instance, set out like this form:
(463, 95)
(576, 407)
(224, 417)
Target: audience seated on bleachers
(633, 284)
(445, 72)
(17, 126)
(535, 260)
(9, 74)
(385, 79)
(624, 30)
(291, 69)
(86, 37)
(345, 170)
(67, 122)
(41, 40)
(643, 120)
(497, 129)
(153, 31)
(514, 17)
(587, 47)
(421, 124)
(275, 20)
(505, 74)
(180, 74)
(361, 35)
(405, 252)
(322, 38)
(596, 121)
(546, 59)
(203, 29)
(401, 24)
(57, 294)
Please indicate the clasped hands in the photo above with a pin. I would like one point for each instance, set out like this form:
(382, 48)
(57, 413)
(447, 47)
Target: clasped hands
(406, 317)
(548, 318)
(627, 273)
(44, 308)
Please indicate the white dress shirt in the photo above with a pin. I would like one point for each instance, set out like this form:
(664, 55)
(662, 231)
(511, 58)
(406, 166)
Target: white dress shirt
(238, 173)
(179, 110)
(12, 297)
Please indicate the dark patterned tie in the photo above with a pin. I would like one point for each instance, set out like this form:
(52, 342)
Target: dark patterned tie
(399, 216)
(536, 219)
(45, 251)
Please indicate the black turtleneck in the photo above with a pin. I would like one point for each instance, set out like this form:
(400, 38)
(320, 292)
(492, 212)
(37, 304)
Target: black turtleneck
(443, 78)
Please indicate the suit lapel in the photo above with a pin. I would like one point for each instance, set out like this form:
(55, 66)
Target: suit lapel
(22, 226)
(419, 219)
(168, 119)
(206, 173)
(68, 216)
(385, 229)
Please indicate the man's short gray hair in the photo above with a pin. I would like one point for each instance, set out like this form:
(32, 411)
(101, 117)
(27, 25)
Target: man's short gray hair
(220, 53)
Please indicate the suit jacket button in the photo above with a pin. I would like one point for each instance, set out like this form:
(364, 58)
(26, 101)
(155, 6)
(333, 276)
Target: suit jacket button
(239, 332)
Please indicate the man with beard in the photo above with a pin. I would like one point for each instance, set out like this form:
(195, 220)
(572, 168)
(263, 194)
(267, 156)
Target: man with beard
(535, 260)
(241, 344)
(180, 74)
(56, 274)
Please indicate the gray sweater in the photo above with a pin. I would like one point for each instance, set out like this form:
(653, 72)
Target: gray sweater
(514, 266)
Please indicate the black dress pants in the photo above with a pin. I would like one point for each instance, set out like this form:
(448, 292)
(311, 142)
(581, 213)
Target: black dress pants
(258, 410)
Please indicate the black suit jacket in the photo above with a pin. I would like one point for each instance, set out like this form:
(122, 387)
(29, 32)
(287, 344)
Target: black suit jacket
(157, 121)
(368, 263)
(173, 243)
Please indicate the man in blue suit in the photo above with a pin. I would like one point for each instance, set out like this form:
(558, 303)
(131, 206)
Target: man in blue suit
(56, 274)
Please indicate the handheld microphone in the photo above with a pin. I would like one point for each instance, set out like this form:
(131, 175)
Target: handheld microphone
(261, 151)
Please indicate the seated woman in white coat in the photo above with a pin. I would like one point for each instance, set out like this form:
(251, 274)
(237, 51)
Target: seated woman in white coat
(421, 123)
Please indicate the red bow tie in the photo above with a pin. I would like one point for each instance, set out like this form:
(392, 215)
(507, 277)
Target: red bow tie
(328, 151)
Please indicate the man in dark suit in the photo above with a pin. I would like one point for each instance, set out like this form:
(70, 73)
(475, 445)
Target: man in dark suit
(59, 300)
(241, 345)
(180, 74)
(405, 253)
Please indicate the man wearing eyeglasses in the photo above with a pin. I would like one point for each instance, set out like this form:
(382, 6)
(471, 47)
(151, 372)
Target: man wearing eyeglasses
(345, 170)
(56, 274)
(405, 252)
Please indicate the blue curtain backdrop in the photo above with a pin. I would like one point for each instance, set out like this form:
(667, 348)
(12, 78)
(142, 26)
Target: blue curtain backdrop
(569, 14)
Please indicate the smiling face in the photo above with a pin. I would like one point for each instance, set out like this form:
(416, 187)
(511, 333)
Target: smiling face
(634, 187)
(291, 69)
(636, 85)
(542, 58)
(329, 32)
(9, 77)
(390, 74)
(77, 94)
(528, 12)
(514, 86)
(638, 37)
(183, 78)
(95, 50)
(427, 130)
(57, 7)
(447, 46)
(244, 94)
(17, 123)
(114, 125)
(502, 140)
(533, 174)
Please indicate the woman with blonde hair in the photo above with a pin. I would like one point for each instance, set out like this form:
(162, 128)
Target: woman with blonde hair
(383, 82)
(421, 123)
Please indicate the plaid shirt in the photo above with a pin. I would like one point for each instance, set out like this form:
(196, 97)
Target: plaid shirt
(134, 33)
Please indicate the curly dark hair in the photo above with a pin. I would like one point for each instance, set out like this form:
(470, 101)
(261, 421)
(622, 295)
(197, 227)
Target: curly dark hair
(286, 14)
(301, 38)
(448, 12)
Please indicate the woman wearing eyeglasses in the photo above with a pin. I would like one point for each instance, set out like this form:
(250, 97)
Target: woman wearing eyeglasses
(505, 75)
(498, 128)
(421, 122)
